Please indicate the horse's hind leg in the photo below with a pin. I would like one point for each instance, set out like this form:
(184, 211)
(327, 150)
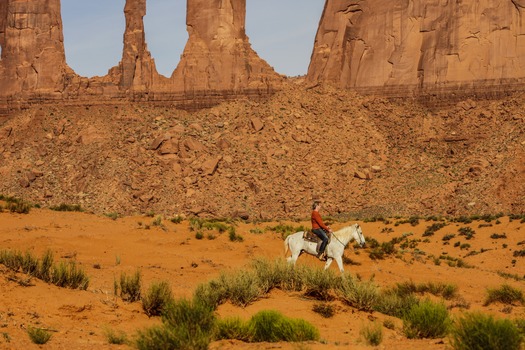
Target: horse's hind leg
(292, 259)
(328, 262)
(339, 261)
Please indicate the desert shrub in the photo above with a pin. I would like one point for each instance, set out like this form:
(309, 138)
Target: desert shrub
(448, 237)
(156, 298)
(373, 334)
(395, 303)
(358, 294)
(279, 274)
(64, 274)
(129, 286)
(185, 325)
(519, 253)
(67, 207)
(199, 235)
(177, 219)
(324, 309)
(467, 232)
(388, 323)
(18, 206)
(426, 320)
(29, 264)
(240, 288)
(113, 216)
(505, 294)
(233, 236)
(319, 283)
(113, 337)
(379, 252)
(233, 328)
(68, 274)
(272, 326)
(46, 263)
(447, 291)
(38, 335)
(430, 230)
(498, 236)
(286, 230)
(476, 331)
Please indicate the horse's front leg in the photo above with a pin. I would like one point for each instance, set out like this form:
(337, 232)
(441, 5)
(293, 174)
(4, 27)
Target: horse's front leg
(328, 262)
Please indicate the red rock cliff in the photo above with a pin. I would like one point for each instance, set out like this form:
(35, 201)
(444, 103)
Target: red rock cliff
(218, 55)
(420, 45)
(33, 59)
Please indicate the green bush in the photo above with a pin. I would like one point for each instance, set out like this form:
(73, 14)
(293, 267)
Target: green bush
(393, 302)
(19, 206)
(64, 274)
(360, 295)
(324, 309)
(426, 320)
(68, 274)
(476, 331)
(430, 230)
(373, 334)
(320, 283)
(185, 325)
(233, 328)
(130, 286)
(157, 297)
(279, 274)
(38, 335)
(272, 326)
(113, 337)
(67, 207)
(505, 294)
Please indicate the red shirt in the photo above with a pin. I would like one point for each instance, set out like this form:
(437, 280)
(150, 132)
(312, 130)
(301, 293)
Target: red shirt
(317, 222)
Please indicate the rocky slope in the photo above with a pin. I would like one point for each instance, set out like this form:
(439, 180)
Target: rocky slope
(362, 156)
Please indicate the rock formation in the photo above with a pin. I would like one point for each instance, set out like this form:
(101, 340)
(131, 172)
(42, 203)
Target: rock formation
(137, 69)
(218, 62)
(33, 59)
(218, 55)
(416, 45)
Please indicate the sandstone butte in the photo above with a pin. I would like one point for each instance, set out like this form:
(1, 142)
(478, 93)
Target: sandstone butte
(400, 48)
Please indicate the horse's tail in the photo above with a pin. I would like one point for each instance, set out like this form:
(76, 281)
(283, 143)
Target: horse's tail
(286, 246)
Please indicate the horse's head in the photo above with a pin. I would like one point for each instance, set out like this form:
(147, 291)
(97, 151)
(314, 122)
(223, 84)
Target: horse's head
(359, 237)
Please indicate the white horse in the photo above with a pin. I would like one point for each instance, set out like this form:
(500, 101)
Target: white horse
(334, 250)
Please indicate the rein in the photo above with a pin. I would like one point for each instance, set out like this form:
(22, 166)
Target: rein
(333, 235)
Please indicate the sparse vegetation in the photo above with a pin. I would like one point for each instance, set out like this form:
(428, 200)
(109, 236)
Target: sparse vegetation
(479, 331)
(426, 320)
(129, 288)
(185, 325)
(156, 298)
(286, 230)
(360, 295)
(63, 274)
(67, 207)
(430, 230)
(324, 309)
(373, 334)
(272, 326)
(117, 338)
(505, 294)
(467, 232)
(38, 335)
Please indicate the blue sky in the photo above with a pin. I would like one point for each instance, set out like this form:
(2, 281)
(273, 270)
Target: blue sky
(282, 32)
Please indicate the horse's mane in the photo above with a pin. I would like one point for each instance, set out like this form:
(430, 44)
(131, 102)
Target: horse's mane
(345, 233)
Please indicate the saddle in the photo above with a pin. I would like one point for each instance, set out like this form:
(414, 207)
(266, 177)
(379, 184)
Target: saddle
(312, 237)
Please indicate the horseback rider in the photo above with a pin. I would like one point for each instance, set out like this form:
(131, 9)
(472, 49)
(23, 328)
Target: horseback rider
(320, 229)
